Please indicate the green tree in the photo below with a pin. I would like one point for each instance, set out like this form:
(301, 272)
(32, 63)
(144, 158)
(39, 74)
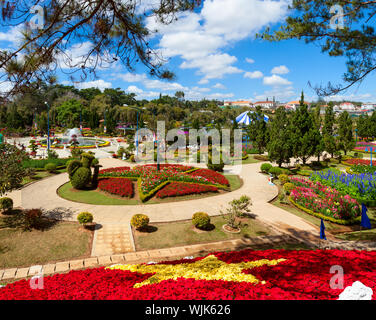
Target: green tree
(305, 135)
(345, 133)
(69, 113)
(11, 169)
(116, 31)
(279, 147)
(310, 20)
(328, 131)
(257, 130)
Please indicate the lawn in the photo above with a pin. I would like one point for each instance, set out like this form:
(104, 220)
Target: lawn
(56, 241)
(100, 198)
(172, 234)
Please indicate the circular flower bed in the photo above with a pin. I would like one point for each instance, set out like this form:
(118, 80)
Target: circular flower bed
(151, 181)
(246, 275)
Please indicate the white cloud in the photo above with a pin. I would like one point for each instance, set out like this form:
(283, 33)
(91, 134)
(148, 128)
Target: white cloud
(199, 38)
(203, 81)
(100, 84)
(131, 77)
(275, 80)
(280, 70)
(249, 60)
(219, 86)
(13, 35)
(213, 66)
(253, 75)
(5, 86)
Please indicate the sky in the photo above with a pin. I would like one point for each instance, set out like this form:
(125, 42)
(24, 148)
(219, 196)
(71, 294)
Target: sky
(214, 55)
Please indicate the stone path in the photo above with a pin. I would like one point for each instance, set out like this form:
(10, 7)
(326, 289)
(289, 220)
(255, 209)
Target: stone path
(112, 238)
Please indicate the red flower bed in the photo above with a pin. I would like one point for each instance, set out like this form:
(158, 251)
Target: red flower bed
(176, 189)
(118, 169)
(358, 161)
(212, 176)
(119, 186)
(304, 275)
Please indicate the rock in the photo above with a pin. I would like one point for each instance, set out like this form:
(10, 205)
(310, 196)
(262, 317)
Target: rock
(357, 291)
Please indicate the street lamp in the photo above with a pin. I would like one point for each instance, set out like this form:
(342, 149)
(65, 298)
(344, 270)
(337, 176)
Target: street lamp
(48, 125)
(371, 149)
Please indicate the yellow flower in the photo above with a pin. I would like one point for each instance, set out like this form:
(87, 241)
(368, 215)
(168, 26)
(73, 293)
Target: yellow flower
(209, 268)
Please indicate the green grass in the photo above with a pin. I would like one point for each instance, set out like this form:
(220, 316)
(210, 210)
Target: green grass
(58, 241)
(95, 197)
(167, 235)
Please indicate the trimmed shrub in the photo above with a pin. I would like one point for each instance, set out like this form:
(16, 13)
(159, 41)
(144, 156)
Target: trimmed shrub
(6, 204)
(288, 187)
(218, 167)
(132, 158)
(50, 167)
(85, 217)
(87, 159)
(140, 221)
(73, 165)
(265, 167)
(201, 220)
(95, 162)
(275, 171)
(261, 157)
(283, 178)
(81, 178)
(120, 152)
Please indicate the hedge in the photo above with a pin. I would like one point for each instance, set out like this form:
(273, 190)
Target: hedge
(324, 217)
(41, 163)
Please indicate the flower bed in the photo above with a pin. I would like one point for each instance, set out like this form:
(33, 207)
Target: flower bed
(175, 189)
(118, 186)
(324, 202)
(150, 180)
(361, 146)
(359, 186)
(351, 162)
(245, 275)
(211, 176)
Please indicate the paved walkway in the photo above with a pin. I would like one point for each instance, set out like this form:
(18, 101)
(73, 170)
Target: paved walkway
(43, 195)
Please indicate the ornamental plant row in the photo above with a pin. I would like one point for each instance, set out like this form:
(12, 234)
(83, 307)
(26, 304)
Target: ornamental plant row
(324, 200)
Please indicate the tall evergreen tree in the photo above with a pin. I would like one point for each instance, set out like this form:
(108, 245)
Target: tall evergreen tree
(328, 131)
(279, 147)
(345, 133)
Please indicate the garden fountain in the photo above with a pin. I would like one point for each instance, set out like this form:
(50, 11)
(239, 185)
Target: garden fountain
(74, 136)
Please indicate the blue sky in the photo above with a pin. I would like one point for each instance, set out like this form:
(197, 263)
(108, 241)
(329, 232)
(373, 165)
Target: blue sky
(214, 54)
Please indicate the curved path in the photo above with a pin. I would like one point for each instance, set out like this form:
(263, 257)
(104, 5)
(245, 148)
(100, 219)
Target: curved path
(116, 218)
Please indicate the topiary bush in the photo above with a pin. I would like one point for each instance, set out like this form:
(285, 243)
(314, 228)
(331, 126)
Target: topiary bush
(132, 158)
(50, 167)
(73, 165)
(6, 204)
(275, 171)
(85, 217)
(218, 167)
(201, 220)
(288, 187)
(140, 221)
(265, 167)
(87, 159)
(283, 178)
(81, 178)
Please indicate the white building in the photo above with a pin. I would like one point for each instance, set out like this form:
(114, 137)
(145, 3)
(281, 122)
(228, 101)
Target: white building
(265, 104)
(347, 106)
(240, 103)
(292, 105)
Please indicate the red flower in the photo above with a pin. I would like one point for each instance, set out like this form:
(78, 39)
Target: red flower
(118, 186)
